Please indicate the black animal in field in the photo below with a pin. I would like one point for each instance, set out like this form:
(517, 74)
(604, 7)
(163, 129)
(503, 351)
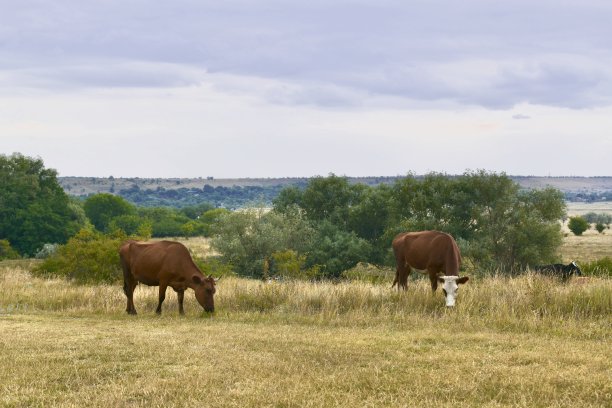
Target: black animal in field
(559, 270)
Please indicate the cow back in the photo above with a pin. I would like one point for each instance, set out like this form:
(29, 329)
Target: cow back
(423, 249)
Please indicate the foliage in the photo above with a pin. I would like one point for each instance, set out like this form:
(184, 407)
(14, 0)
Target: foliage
(247, 239)
(336, 250)
(6, 251)
(228, 197)
(289, 264)
(601, 267)
(214, 266)
(500, 226)
(366, 272)
(34, 209)
(165, 222)
(88, 257)
(578, 225)
(600, 227)
(595, 218)
(46, 251)
(102, 209)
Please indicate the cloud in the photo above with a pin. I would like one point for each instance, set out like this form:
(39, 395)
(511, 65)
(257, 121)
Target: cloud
(329, 54)
(520, 116)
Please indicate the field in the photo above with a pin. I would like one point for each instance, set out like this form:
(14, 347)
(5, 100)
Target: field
(523, 342)
(591, 245)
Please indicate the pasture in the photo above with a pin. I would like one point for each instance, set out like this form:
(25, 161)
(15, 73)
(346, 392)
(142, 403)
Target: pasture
(528, 341)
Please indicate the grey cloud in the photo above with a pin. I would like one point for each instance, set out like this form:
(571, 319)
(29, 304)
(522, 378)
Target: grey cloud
(520, 116)
(476, 52)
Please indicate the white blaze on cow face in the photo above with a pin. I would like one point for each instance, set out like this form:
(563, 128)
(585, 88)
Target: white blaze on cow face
(451, 287)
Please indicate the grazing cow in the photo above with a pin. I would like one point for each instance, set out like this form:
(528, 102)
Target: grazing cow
(163, 264)
(431, 252)
(559, 270)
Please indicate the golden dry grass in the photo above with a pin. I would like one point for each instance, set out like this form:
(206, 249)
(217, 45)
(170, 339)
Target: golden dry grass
(524, 342)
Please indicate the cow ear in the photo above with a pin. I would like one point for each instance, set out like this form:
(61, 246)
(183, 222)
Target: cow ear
(196, 279)
(440, 280)
(463, 280)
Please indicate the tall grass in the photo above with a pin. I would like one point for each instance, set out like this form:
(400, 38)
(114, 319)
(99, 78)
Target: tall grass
(498, 299)
(529, 341)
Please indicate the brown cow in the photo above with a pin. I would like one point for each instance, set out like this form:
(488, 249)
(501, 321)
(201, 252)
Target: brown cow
(432, 252)
(163, 264)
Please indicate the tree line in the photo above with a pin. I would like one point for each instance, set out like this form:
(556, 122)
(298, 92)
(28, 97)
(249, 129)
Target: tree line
(319, 230)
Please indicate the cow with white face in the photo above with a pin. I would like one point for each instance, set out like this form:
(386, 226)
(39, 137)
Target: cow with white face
(432, 252)
(450, 287)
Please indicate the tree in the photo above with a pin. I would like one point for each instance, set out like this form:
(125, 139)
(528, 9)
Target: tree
(248, 239)
(34, 209)
(600, 227)
(6, 252)
(578, 225)
(497, 225)
(102, 208)
(329, 198)
(335, 250)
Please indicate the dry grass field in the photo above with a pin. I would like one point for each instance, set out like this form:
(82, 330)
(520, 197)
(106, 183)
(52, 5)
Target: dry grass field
(524, 342)
(591, 245)
(511, 342)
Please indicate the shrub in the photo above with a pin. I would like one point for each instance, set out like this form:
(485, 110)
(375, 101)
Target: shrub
(46, 251)
(88, 257)
(578, 225)
(247, 239)
(366, 272)
(600, 227)
(290, 264)
(213, 266)
(6, 251)
(600, 267)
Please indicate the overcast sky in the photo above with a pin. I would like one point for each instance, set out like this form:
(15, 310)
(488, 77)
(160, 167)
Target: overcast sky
(265, 88)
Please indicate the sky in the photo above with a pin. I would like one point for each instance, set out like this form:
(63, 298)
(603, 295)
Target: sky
(281, 88)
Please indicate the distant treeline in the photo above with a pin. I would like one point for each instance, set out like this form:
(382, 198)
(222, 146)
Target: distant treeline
(235, 197)
(226, 197)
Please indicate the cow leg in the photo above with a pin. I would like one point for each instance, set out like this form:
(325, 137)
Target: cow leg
(401, 274)
(180, 295)
(433, 277)
(162, 296)
(131, 307)
(128, 288)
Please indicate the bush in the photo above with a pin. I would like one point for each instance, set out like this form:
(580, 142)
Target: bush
(247, 239)
(601, 267)
(46, 251)
(88, 257)
(578, 225)
(6, 251)
(213, 265)
(336, 250)
(289, 264)
(366, 272)
(600, 227)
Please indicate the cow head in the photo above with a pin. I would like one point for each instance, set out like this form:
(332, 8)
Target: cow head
(576, 269)
(205, 291)
(451, 287)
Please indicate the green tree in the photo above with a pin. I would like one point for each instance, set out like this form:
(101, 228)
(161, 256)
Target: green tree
(248, 239)
(578, 225)
(334, 250)
(102, 208)
(600, 227)
(34, 209)
(88, 257)
(498, 225)
(329, 198)
(6, 251)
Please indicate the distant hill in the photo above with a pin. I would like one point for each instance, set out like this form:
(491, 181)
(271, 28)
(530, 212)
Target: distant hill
(234, 193)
